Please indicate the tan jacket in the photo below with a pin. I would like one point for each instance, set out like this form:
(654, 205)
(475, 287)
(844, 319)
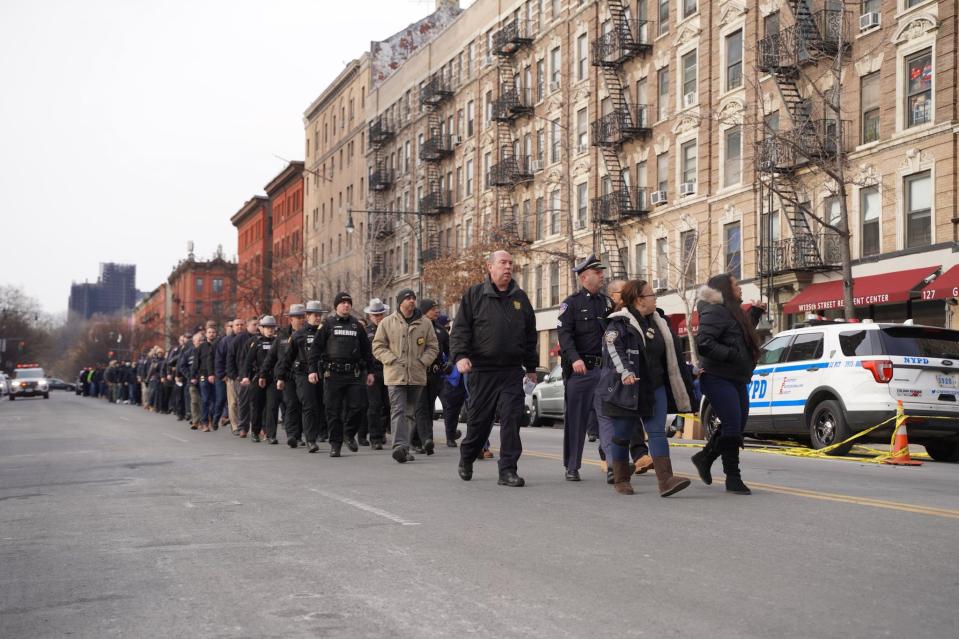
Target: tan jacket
(405, 349)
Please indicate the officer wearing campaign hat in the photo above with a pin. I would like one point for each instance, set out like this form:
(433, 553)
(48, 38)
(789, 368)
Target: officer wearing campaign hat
(372, 431)
(286, 384)
(581, 327)
(295, 363)
(258, 375)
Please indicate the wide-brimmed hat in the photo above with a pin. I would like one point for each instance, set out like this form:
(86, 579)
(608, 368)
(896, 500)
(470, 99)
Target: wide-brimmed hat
(314, 306)
(297, 310)
(269, 321)
(376, 307)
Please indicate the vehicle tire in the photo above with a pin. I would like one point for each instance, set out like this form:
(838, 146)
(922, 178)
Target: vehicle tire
(710, 422)
(46, 396)
(11, 397)
(943, 450)
(827, 425)
(534, 418)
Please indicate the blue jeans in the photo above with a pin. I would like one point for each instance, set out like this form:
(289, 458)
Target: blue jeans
(219, 403)
(730, 402)
(655, 426)
(207, 401)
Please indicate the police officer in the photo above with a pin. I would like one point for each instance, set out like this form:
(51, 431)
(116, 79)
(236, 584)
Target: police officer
(581, 327)
(259, 377)
(239, 346)
(292, 410)
(342, 356)
(434, 373)
(295, 363)
(377, 397)
(493, 340)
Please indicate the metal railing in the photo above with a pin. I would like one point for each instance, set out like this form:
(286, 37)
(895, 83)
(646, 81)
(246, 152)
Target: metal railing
(620, 126)
(621, 44)
(436, 148)
(626, 202)
(436, 202)
(810, 141)
(808, 252)
(512, 103)
(382, 179)
(436, 89)
(512, 37)
(509, 171)
(382, 129)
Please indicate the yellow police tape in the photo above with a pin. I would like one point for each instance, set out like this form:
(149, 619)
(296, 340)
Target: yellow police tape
(792, 449)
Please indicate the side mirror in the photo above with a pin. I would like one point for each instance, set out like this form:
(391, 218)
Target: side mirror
(545, 378)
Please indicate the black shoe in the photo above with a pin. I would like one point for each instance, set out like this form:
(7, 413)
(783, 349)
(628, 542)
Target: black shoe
(451, 443)
(272, 440)
(352, 445)
(419, 450)
(510, 478)
(335, 450)
(399, 454)
(236, 433)
(323, 439)
(458, 434)
(363, 441)
(602, 453)
(255, 438)
(313, 448)
(592, 437)
(610, 477)
(703, 460)
(729, 450)
(291, 442)
(301, 443)
(572, 475)
(429, 447)
(734, 484)
(377, 446)
(466, 470)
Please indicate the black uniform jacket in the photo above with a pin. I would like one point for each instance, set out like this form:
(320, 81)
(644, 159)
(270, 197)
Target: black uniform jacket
(325, 333)
(495, 330)
(254, 364)
(294, 359)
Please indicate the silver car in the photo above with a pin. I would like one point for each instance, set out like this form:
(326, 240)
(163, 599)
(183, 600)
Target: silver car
(547, 402)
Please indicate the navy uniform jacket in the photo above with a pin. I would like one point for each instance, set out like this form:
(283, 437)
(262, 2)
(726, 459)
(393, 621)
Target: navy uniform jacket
(294, 359)
(495, 330)
(582, 324)
(337, 328)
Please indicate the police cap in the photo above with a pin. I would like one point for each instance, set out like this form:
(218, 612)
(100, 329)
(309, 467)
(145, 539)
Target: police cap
(591, 262)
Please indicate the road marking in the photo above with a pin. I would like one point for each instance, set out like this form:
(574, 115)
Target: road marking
(126, 419)
(185, 441)
(948, 513)
(366, 507)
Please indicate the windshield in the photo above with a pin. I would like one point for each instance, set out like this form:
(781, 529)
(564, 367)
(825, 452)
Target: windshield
(920, 341)
(28, 373)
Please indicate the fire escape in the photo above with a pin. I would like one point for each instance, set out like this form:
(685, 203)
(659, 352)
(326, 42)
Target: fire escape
(512, 103)
(809, 141)
(437, 146)
(625, 122)
(381, 179)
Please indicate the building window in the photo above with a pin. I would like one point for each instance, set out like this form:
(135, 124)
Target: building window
(489, 106)
(581, 57)
(919, 88)
(869, 102)
(217, 285)
(833, 213)
(662, 172)
(640, 251)
(732, 167)
(662, 262)
(734, 60)
(688, 158)
(469, 178)
(689, 8)
(733, 249)
(468, 240)
(581, 131)
(198, 308)
(524, 223)
(918, 189)
(581, 205)
(663, 17)
(540, 218)
(199, 285)
(556, 140)
(662, 106)
(687, 241)
(688, 63)
(554, 283)
(554, 69)
(540, 79)
(870, 205)
(470, 108)
(487, 159)
(554, 212)
(539, 286)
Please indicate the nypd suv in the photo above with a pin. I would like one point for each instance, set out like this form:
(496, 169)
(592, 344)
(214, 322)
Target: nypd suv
(823, 382)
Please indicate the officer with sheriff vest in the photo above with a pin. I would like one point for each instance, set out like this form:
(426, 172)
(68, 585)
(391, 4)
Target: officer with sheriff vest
(257, 374)
(286, 384)
(581, 327)
(295, 363)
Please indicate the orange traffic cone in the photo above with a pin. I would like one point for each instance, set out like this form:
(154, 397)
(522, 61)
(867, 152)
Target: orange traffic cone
(900, 443)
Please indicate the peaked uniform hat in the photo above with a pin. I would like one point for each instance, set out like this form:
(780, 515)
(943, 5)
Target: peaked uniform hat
(376, 307)
(297, 310)
(314, 306)
(591, 262)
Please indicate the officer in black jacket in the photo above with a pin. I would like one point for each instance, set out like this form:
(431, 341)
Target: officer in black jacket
(581, 326)
(494, 340)
(285, 381)
(238, 347)
(258, 375)
(295, 364)
(377, 397)
(342, 356)
(434, 374)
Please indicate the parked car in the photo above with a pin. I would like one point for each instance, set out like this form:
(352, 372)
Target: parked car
(547, 399)
(527, 417)
(29, 381)
(822, 382)
(4, 389)
(58, 384)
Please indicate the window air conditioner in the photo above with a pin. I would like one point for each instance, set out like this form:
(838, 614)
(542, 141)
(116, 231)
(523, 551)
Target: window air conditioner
(659, 284)
(687, 188)
(487, 61)
(581, 148)
(536, 166)
(658, 198)
(689, 99)
(869, 20)
(457, 140)
(553, 87)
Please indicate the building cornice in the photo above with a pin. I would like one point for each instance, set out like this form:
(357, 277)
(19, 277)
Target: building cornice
(293, 171)
(249, 208)
(339, 83)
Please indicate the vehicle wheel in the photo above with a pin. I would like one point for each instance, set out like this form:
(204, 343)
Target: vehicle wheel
(943, 450)
(11, 397)
(827, 425)
(46, 396)
(534, 418)
(710, 422)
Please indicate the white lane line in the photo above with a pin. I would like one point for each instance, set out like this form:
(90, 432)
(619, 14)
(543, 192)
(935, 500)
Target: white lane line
(366, 507)
(126, 419)
(185, 441)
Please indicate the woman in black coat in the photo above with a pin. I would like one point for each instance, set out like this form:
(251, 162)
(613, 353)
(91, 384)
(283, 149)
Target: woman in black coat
(642, 379)
(728, 351)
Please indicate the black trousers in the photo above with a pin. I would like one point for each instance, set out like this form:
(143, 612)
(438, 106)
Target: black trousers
(377, 410)
(292, 412)
(311, 408)
(499, 391)
(176, 400)
(452, 398)
(264, 409)
(424, 409)
(345, 401)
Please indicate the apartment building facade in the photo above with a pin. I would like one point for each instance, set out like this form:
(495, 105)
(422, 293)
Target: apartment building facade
(254, 229)
(285, 193)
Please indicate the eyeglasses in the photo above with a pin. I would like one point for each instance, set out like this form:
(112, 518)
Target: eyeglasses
(650, 295)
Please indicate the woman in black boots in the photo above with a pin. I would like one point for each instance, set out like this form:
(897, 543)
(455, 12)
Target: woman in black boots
(728, 352)
(643, 378)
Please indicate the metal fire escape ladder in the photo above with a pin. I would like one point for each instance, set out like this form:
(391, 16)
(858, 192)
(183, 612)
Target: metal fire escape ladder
(380, 225)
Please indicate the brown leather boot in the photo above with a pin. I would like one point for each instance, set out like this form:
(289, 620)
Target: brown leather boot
(643, 464)
(622, 470)
(668, 483)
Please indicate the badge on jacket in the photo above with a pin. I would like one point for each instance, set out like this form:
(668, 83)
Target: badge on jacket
(419, 341)
(517, 305)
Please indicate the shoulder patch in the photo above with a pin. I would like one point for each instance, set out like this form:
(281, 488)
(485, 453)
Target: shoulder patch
(611, 336)
(420, 341)
(517, 305)
(563, 307)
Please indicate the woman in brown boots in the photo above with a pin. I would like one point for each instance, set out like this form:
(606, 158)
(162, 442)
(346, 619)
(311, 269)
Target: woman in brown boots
(643, 378)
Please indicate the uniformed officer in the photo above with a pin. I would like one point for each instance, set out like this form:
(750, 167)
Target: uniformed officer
(341, 356)
(581, 326)
(292, 409)
(259, 377)
(377, 397)
(295, 363)
(434, 372)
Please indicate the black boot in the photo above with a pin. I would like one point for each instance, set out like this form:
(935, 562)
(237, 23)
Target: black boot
(703, 460)
(729, 449)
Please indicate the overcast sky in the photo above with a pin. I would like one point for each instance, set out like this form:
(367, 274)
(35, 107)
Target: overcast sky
(129, 127)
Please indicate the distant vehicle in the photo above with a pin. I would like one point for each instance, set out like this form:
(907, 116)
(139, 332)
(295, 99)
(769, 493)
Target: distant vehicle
(29, 381)
(58, 384)
(3, 384)
(527, 413)
(547, 399)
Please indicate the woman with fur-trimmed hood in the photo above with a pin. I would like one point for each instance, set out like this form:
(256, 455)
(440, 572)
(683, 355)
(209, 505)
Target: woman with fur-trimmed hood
(643, 378)
(728, 352)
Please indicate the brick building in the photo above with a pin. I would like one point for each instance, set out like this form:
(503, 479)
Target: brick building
(152, 320)
(254, 228)
(285, 193)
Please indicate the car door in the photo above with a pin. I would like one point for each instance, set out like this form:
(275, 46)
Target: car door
(761, 391)
(551, 393)
(800, 372)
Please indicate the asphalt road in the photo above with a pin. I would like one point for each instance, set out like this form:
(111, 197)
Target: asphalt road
(117, 522)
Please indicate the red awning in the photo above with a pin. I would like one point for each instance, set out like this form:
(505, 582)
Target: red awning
(677, 321)
(943, 287)
(888, 288)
